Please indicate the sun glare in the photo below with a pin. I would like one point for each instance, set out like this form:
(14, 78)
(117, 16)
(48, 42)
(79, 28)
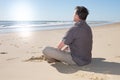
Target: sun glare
(21, 12)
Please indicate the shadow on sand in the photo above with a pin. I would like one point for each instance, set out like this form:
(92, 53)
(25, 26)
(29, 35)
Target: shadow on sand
(98, 65)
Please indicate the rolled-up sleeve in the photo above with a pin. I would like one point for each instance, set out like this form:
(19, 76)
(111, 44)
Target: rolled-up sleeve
(70, 36)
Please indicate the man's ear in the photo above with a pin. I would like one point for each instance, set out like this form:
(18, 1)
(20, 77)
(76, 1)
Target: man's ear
(78, 17)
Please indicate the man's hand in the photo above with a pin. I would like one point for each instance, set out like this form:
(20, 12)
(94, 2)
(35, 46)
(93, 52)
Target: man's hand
(61, 45)
(66, 48)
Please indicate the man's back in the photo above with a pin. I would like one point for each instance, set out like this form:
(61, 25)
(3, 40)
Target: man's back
(80, 42)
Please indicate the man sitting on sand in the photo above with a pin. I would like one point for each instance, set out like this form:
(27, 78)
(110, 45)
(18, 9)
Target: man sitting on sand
(78, 39)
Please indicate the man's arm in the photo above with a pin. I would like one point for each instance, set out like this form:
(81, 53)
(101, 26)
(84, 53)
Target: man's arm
(68, 38)
(61, 45)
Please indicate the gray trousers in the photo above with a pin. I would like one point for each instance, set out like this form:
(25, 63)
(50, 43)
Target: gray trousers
(53, 53)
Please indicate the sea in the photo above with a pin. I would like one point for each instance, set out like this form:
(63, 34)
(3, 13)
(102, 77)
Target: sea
(23, 26)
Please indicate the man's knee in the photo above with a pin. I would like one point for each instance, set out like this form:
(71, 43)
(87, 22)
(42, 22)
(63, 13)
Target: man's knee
(47, 50)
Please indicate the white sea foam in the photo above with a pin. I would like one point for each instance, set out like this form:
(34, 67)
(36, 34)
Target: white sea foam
(35, 25)
(11, 26)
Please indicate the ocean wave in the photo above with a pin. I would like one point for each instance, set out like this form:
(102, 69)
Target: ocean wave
(12, 26)
(36, 25)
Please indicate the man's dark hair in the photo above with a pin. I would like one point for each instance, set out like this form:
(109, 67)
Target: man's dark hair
(82, 12)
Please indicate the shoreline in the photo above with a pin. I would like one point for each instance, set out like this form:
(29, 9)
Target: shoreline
(40, 28)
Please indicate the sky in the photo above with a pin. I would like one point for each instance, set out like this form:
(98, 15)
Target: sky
(100, 10)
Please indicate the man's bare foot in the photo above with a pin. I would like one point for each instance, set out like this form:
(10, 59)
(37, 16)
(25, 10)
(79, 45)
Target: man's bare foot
(52, 60)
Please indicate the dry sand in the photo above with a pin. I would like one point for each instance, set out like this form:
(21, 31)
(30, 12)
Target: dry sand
(15, 48)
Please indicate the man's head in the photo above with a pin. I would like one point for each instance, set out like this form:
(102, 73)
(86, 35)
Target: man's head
(81, 13)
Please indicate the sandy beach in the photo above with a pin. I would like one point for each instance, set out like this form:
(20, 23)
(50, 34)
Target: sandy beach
(16, 48)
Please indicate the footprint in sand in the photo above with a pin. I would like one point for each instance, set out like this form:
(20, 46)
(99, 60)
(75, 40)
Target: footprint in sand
(33, 58)
(40, 47)
(117, 57)
(14, 45)
(12, 58)
(109, 44)
(3, 52)
(34, 52)
(91, 76)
